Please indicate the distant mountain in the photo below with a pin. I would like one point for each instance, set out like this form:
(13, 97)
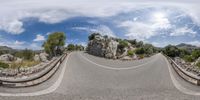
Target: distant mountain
(187, 46)
(5, 48)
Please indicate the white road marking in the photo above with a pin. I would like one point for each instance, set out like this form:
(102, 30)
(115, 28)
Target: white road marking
(46, 91)
(112, 68)
(178, 85)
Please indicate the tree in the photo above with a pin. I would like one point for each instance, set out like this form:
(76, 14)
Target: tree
(139, 44)
(70, 47)
(133, 42)
(171, 51)
(25, 54)
(92, 36)
(54, 43)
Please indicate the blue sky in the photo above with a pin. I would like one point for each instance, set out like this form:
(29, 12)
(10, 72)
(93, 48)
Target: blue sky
(159, 23)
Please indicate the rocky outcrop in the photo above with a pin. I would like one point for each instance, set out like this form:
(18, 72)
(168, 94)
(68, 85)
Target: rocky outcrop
(7, 58)
(103, 47)
(43, 57)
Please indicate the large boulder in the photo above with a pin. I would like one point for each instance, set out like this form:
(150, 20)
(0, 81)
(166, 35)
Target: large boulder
(7, 57)
(44, 57)
(36, 57)
(103, 47)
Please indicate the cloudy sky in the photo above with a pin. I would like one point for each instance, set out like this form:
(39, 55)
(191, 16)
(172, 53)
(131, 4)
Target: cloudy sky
(27, 23)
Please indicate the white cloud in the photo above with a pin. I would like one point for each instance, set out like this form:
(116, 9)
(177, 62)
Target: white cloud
(55, 11)
(39, 37)
(137, 30)
(19, 42)
(182, 31)
(13, 27)
(102, 29)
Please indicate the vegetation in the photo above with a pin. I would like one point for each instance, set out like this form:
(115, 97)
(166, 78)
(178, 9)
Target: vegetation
(131, 52)
(3, 65)
(122, 44)
(72, 47)
(54, 43)
(25, 63)
(25, 54)
(91, 37)
(198, 64)
(171, 51)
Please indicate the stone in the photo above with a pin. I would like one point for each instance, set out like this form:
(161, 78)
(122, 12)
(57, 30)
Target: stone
(103, 47)
(126, 58)
(18, 60)
(43, 57)
(36, 57)
(7, 58)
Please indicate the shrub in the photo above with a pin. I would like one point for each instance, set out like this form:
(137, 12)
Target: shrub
(26, 63)
(91, 37)
(140, 51)
(141, 56)
(188, 58)
(131, 52)
(3, 65)
(198, 64)
(122, 44)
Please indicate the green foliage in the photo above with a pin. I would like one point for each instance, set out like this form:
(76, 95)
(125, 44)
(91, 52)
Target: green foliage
(132, 42)
(149, 49)
(171, 51)
(91, 37)
(3, 65)
(184, 52)
(25, 63)
(54, 43)
(188, 58)
(139, 44)
(72, 47)
(196, 54)
(122, 44)
(25, 54)
(140, 51)
(198, 64)
(131, 52)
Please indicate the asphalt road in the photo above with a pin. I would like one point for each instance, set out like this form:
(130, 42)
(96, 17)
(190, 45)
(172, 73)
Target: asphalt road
(86, 77)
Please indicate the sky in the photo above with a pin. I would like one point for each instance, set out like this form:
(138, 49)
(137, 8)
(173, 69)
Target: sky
(27, 23)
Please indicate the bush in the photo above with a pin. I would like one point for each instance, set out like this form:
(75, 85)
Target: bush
(26, 63)
(122, 44)
(188, 58)
(131, 52)
(3, 65)
(198, 64)
(91, 37)
(25, 54)
(141, 56)
(140, 51)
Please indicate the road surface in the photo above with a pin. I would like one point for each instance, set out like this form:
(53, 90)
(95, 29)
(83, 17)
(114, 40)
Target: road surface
(86, 77)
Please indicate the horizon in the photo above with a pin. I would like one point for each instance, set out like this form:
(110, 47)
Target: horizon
(155, 22)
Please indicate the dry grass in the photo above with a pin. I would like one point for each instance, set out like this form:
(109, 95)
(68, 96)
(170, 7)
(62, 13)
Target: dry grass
(26, 63)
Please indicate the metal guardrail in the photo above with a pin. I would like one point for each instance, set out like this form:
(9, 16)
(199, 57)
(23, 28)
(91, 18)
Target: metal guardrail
(183, 73)
(33, 80)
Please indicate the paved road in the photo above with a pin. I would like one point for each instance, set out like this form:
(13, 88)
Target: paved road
(86, 77)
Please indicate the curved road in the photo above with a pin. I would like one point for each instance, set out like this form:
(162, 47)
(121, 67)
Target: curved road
(86, 77)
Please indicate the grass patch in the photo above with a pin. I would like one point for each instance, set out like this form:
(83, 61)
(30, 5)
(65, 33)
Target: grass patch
(26, 63)
(198, 65)
(3, 65)
(131, 52)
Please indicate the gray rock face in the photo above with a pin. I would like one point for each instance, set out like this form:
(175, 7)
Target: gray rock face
(36, 57)
(7, 57)
(103, 47)
(43, 57)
